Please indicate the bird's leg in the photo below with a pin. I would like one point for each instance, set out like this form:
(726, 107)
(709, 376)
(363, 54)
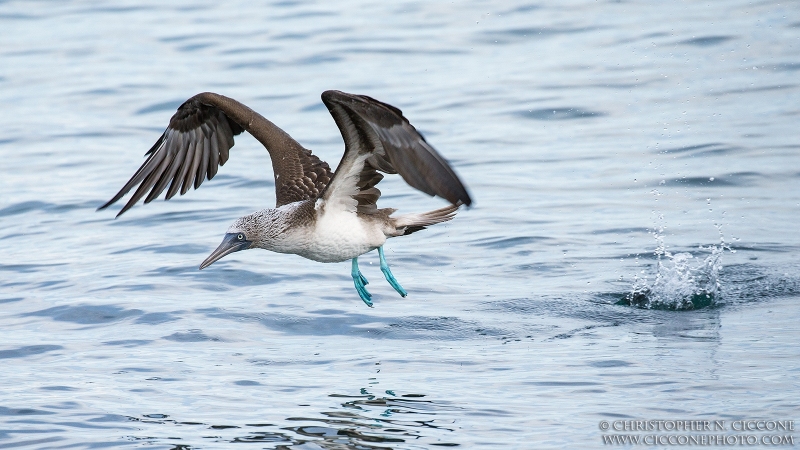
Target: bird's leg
(360, 281)
(388, 274)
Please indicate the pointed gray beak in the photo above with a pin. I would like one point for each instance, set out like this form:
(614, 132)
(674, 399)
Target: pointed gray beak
(231, 243)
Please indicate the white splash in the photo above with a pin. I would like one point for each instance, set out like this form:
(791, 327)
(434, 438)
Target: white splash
(680, 283)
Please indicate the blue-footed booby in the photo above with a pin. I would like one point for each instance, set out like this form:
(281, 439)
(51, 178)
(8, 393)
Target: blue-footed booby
(320, 215)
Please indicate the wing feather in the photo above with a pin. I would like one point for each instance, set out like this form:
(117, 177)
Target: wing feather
(225, 141)
(177, 157)
(146, 184)
(174, 169)
(192, 160)
(379, 138)
(198, 140)
(203, 167)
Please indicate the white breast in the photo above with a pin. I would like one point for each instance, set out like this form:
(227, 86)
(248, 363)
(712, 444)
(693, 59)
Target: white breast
(341, 235)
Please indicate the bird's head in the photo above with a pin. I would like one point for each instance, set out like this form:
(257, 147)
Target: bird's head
(241, 235)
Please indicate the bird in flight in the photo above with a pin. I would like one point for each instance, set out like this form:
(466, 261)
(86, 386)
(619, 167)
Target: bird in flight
(320, 215)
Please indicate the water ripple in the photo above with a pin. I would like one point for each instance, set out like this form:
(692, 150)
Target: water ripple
(561, 113)
(706, 41)
(29, 350)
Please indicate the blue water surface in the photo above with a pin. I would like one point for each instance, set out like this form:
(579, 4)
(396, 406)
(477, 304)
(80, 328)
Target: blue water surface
(612, 148)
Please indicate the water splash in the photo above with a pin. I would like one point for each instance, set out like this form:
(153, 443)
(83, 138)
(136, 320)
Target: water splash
(680, 283)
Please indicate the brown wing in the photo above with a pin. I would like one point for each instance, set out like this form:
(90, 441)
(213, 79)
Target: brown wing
(198, 140)
(378, 138)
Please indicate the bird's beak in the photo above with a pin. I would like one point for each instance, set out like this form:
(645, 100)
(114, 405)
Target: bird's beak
(229, 245)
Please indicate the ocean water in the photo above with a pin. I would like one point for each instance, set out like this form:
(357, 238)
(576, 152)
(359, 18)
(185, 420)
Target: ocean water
(631, 254)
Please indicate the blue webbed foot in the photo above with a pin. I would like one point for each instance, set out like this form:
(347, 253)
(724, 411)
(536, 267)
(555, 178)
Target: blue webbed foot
(388, 274)
(360, 281)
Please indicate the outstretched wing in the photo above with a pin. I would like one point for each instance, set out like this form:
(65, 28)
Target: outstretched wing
(198, 140)
(379, 139)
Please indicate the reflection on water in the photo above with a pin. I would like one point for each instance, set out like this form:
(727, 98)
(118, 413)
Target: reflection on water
(362, 421)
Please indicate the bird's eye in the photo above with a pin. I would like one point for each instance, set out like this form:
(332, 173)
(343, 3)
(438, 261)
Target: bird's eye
(240, 237)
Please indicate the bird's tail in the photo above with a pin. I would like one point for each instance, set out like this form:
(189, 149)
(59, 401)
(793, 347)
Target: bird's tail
(409, 223)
